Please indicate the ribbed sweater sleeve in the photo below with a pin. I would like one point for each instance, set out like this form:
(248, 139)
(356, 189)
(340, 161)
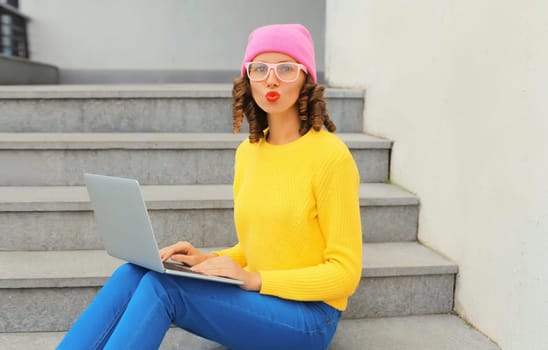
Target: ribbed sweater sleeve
(339, 217)
(235, 253)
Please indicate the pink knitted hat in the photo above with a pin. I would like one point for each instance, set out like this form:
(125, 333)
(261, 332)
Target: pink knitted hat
(291, 39)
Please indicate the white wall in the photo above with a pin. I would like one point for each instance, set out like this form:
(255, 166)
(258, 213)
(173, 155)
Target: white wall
(462, 89)
(166, 34)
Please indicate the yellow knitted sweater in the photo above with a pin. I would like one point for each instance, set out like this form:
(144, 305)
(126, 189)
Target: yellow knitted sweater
(297, 216)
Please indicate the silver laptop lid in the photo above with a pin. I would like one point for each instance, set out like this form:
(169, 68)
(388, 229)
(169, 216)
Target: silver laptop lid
(122, 220)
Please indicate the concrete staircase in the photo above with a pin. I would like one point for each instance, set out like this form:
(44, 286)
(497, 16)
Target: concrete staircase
(176, 140)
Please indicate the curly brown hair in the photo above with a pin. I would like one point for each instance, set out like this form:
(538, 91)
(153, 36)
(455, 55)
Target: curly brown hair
(311, 106)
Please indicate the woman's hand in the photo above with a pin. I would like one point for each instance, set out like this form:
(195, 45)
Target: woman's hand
(226, 267)
(184, 252)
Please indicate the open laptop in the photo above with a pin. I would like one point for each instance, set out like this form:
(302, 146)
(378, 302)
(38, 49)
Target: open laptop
(123, 221)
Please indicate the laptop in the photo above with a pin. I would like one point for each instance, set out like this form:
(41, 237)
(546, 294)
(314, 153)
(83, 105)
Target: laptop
(123, 222)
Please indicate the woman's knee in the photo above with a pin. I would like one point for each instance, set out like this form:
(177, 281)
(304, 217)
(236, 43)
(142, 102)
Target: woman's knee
(155, 287)
(152, 280)
(129, 271)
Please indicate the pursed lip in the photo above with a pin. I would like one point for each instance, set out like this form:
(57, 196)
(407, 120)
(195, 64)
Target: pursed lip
(272, 96)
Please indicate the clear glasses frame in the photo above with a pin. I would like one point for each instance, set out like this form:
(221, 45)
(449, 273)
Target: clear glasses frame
(278, 68)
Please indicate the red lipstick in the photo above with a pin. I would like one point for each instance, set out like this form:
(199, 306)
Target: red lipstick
(272, 96)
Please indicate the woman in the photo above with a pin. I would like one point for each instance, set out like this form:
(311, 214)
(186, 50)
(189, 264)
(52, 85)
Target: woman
(297, 218)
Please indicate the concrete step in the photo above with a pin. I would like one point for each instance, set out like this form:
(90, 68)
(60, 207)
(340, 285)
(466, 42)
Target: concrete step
(58, 218)
(143, 108)
(46, 291)
(57, 159)
(429, 332)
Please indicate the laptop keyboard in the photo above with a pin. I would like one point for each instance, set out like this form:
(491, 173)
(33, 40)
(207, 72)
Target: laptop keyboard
(177, 266)
(170, 265)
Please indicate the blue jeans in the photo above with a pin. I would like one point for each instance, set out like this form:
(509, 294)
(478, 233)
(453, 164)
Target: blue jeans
(136, 307)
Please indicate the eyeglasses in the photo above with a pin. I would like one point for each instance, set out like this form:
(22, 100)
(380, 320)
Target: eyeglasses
(286, 71)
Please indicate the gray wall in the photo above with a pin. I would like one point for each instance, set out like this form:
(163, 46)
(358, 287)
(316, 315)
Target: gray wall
(160, 41)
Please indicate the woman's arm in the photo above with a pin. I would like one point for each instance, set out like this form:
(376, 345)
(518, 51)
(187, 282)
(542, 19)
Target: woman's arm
(338, 210)
(228, 267)
(184, 252)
